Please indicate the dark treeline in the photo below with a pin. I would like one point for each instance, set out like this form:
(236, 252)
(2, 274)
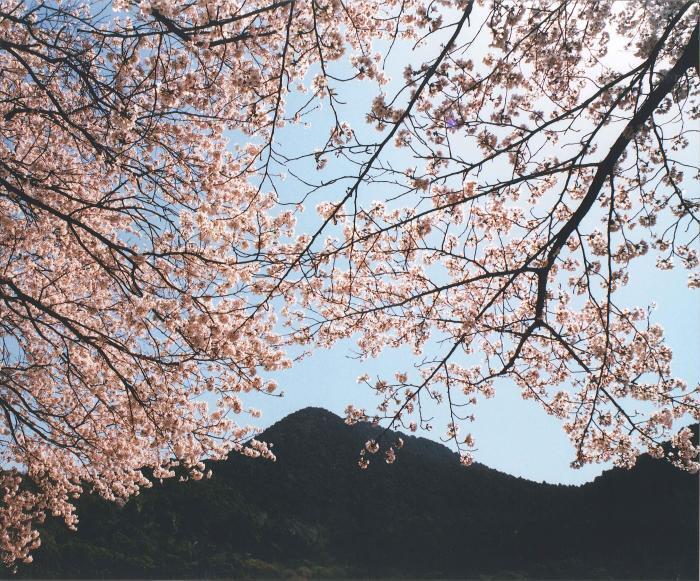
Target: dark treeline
(313, 513)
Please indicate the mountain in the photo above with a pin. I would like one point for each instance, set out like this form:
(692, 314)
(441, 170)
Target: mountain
(313, 513)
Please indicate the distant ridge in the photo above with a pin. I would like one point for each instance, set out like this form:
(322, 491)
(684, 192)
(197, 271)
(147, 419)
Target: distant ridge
(314, 514)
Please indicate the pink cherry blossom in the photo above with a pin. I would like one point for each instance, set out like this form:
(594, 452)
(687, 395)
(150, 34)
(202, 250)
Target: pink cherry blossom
(139, 248)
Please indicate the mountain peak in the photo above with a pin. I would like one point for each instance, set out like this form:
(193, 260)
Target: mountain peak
(312, 413)
(307, 420)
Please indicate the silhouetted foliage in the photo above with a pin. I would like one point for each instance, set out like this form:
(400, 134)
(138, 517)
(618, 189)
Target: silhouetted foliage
(313, 513)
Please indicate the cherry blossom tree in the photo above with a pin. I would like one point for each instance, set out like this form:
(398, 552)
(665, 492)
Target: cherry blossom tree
(152, 274)
(135, 241)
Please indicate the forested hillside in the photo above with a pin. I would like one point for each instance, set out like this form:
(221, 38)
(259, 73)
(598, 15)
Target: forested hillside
(314, 513)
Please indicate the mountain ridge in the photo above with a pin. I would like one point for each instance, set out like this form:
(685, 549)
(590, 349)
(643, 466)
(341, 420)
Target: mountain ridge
(310, 412)
(313, 513)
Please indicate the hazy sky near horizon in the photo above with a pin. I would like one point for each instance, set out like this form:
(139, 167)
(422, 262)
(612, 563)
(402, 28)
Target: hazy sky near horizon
(512, 435)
